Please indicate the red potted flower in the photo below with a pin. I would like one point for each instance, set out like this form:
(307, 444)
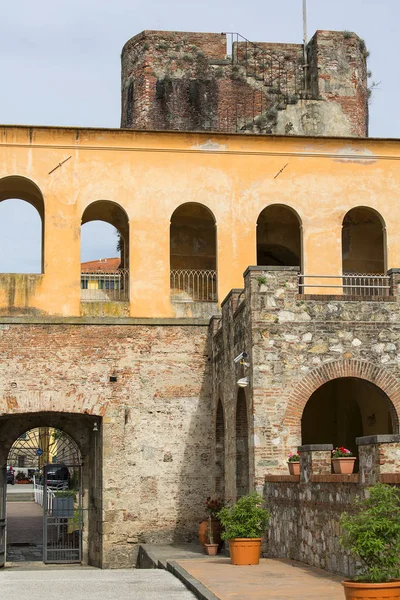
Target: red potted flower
(294, 464)
(210, 528)
(343, 460)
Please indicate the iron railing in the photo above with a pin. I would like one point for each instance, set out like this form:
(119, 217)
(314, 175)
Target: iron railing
(351, 284)
(38, 491)
(281, 72)
(193, 285)
(105, 286)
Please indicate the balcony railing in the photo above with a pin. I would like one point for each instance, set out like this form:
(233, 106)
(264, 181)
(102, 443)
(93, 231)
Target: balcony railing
(193, 285)
(351, 284)
(105, 286)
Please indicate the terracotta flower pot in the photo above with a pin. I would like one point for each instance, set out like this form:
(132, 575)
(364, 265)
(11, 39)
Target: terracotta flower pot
(245, 551)
(355, 590)
(294, 468)
(211, 549)
(344, 464)
(203, 533)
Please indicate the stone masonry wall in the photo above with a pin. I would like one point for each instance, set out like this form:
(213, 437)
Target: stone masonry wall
(296, 344)
(186, 81)
(155, 418)
(305, 510)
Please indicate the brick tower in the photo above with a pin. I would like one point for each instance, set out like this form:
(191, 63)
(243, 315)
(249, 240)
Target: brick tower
(222, 82)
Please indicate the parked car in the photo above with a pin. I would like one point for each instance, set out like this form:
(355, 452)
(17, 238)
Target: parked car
(10, 475)
(57, 477)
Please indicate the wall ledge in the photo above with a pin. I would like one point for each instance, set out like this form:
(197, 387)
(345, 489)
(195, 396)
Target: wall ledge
(333, 478)
(282, 478)
(315, 448)
(369, 440)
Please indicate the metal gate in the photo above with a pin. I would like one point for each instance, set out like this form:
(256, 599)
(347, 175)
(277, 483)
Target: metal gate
(54, 460)
(62, 514)
(3, 493)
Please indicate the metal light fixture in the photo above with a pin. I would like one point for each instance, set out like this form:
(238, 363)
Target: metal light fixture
(243, 382)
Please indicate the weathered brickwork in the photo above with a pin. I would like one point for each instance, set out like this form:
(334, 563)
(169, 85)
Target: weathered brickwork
(187, 81)
(154, 470)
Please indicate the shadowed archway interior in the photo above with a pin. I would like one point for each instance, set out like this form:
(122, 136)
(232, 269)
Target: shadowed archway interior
(278, 237)
(346, 408)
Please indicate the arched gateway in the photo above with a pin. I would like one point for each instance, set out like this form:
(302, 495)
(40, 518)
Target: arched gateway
(61, 454)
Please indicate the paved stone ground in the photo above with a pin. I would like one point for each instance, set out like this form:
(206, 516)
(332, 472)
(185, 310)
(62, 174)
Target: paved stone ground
(24, 531)
(91, 584)
(273, 579)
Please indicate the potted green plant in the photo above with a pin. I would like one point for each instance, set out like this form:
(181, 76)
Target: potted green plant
(212, 505)
(343, 460)
(294, 463)
(372, 535)
(243, 525)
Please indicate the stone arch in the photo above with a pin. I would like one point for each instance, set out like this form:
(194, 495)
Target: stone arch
(113, 213)
(279, 237)
(193, 253)
(86, 431)
(36, 402)
(364, 245)
(18, 187)
(359, 369)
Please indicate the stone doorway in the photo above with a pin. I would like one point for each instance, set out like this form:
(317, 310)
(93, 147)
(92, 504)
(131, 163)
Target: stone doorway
(31, 443)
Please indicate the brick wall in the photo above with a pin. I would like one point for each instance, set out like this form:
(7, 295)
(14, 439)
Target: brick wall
(187, 81)
(156, 432)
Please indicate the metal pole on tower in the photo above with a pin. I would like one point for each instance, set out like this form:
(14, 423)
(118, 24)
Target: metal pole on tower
(305, 43)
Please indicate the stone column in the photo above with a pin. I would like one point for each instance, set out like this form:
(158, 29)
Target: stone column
(379, 455)
(394, 282)
(315, 459)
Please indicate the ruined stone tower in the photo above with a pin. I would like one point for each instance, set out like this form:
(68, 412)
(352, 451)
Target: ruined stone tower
(222, 82)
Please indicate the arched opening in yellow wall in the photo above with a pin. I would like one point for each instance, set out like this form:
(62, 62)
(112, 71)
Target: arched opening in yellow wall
(363, 242)
(21, 226)
(279, 240)
(345, 408)
(242, 446)
(106, 278)
(193, 254)
(220, 452)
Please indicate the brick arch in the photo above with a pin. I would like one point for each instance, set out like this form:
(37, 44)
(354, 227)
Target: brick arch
(359, 369)
(37, 402)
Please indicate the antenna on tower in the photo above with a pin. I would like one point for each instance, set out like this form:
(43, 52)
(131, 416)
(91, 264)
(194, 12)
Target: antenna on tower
(305, 65)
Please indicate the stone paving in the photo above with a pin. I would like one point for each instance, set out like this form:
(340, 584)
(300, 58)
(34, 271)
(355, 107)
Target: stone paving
(91, 584)
(24, 532)
(274, 579)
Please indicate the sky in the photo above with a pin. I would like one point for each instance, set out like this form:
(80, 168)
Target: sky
(60, 65)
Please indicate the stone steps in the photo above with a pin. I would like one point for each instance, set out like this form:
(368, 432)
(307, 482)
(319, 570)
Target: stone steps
(21, 497)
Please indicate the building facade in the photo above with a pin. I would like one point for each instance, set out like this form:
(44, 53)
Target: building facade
(140, 371)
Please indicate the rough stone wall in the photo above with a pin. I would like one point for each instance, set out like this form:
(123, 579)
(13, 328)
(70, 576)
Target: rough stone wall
(305, 510)
(186, 81)
(296, 343)
(155, 418)
(231, 336)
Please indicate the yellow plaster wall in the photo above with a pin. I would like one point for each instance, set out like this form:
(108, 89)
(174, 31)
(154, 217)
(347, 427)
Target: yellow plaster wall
(150, 174)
